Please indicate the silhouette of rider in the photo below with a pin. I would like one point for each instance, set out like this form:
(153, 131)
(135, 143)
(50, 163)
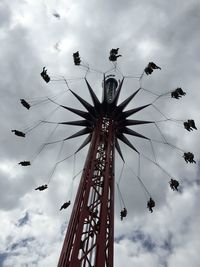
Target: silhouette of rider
(150, 204)
(114, 54)
(42, 187)
(18, 133)
(25, 103)
(24, 163)
(174, 184)
(189, 157)
(123, 213)
(65, 205)
(44, 75)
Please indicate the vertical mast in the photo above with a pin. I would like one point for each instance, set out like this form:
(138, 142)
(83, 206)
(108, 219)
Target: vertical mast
(89, 238)
(90, 235)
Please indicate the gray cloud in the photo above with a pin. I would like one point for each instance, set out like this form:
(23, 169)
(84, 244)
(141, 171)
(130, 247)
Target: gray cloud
(22, 221)
(164, 32)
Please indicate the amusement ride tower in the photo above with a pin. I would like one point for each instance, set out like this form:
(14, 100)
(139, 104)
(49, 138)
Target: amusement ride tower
(90, 235)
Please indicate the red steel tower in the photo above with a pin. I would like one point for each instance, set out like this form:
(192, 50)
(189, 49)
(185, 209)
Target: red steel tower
(90, 236)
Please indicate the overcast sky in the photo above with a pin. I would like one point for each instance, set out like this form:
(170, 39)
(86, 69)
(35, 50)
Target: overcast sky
(42, 33)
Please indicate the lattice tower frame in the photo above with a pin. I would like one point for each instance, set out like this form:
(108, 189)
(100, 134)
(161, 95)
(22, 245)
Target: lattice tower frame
(90, 235)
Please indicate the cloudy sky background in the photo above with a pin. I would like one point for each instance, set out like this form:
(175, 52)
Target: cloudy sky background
(166, 32)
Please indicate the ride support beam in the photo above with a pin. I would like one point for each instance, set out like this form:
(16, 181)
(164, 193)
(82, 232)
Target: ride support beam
(89, 238)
